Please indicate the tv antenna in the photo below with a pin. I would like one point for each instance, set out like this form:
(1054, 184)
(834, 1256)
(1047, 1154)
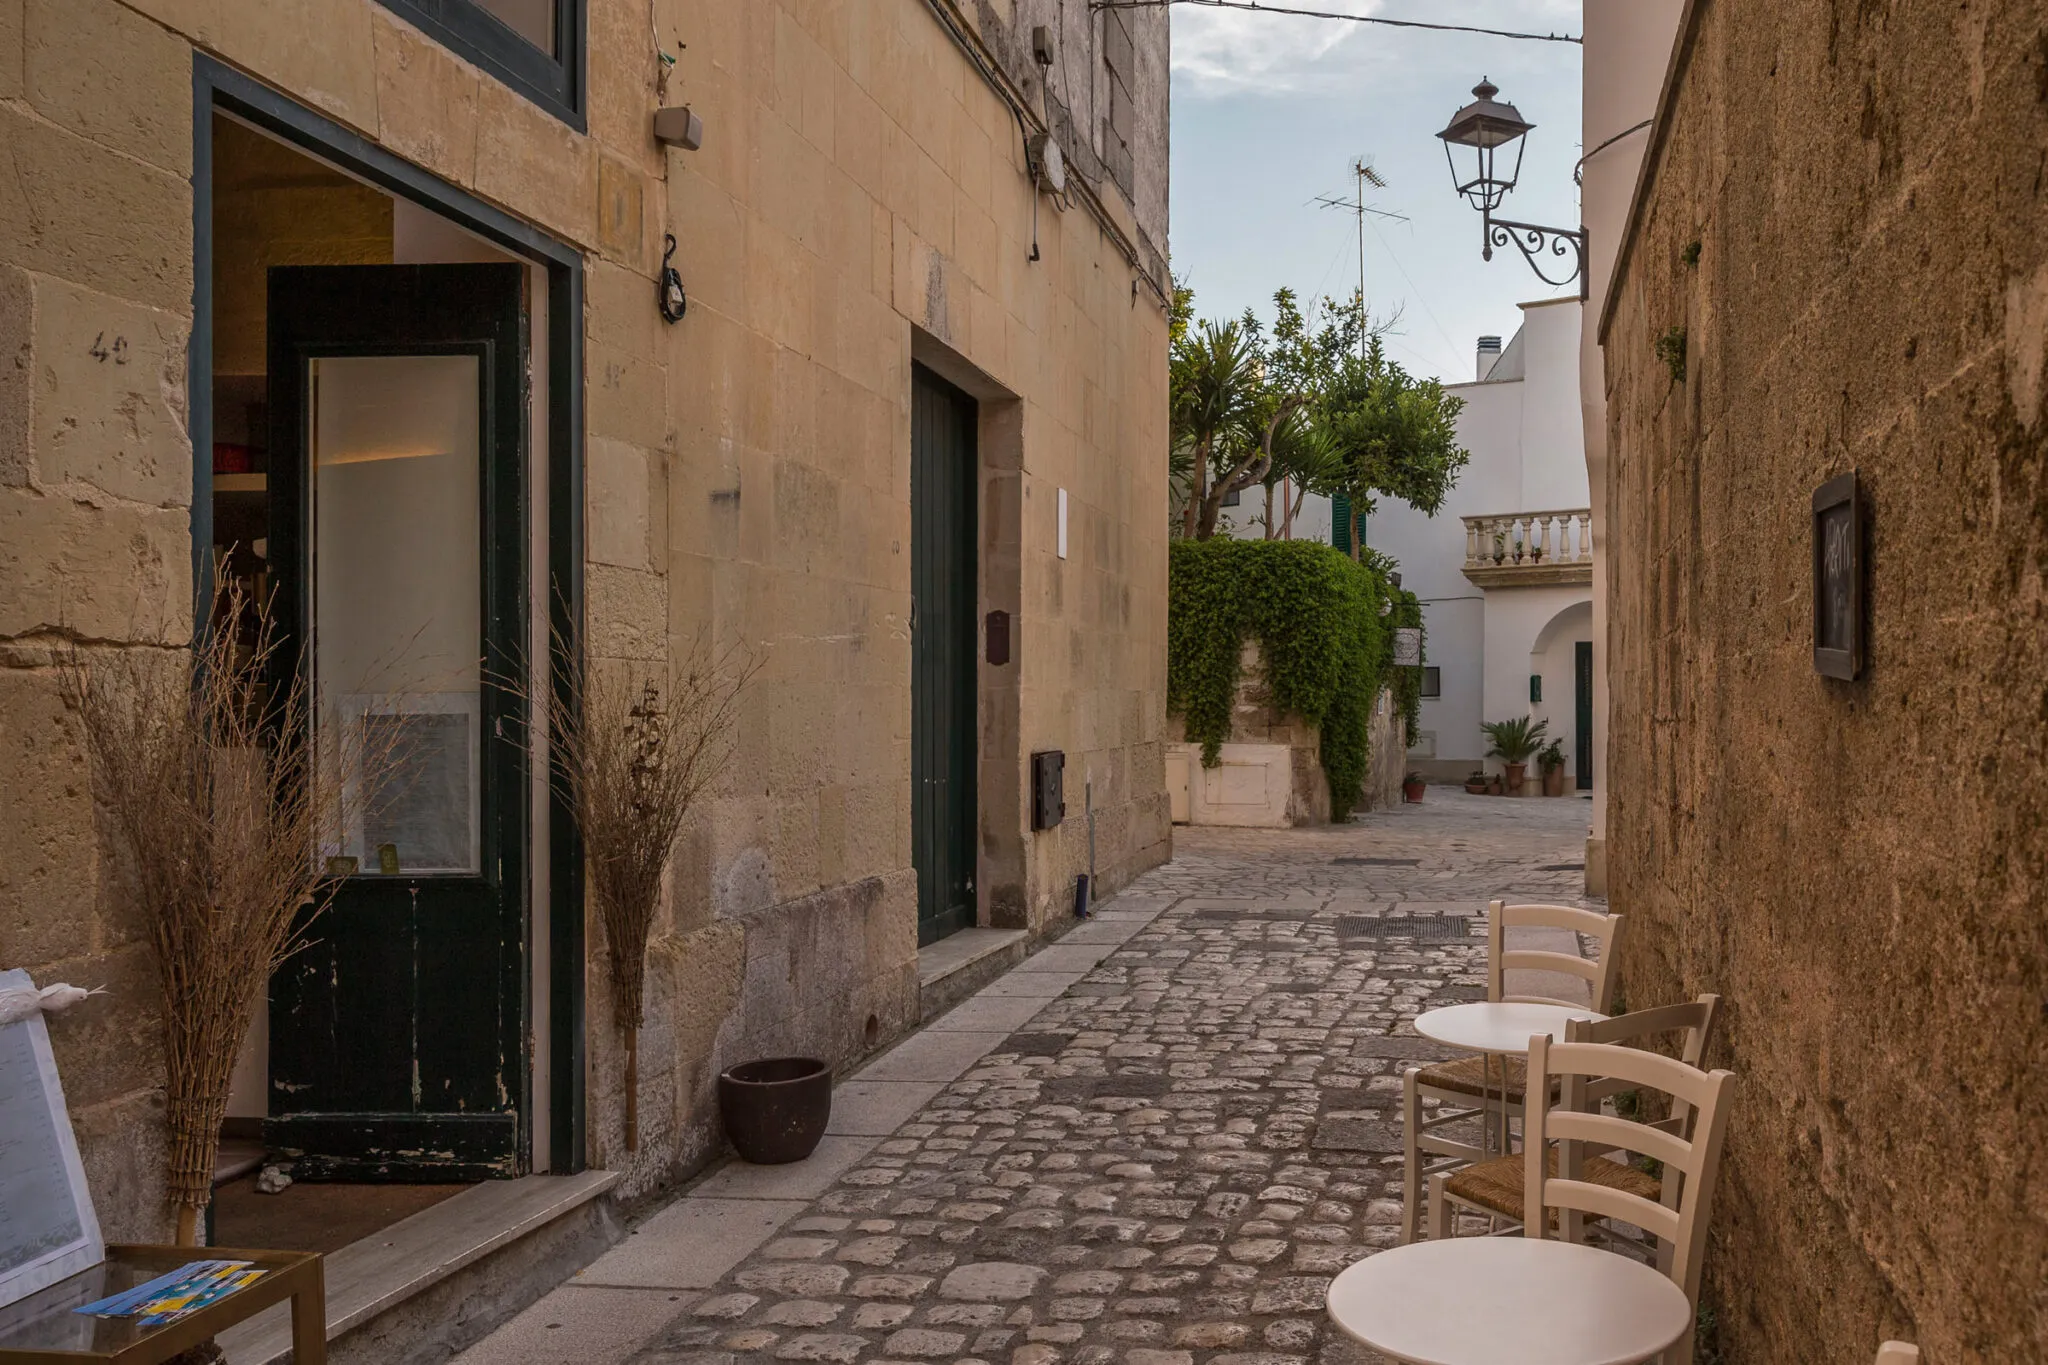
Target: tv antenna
(1363, 175)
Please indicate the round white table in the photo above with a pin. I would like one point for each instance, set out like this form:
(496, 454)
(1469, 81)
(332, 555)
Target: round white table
(1492, 1026)
(1484, 1300)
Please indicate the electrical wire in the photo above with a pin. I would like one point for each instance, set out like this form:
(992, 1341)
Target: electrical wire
(1579, 166)
(1420, 297)
(1328, 14)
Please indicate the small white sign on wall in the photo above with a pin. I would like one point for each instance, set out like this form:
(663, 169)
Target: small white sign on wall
(1407, 646)
(1063, 523)
(48, 1231)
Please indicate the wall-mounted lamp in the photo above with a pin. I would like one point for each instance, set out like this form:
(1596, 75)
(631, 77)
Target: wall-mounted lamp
(1488, 127)
(679, 127)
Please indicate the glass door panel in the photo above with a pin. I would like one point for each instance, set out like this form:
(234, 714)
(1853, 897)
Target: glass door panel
(398, 606)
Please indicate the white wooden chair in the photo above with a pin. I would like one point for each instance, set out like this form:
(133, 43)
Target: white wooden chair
(1898, 1353)
(1460, 1087)
(1495, 1188)
(1567, 1185)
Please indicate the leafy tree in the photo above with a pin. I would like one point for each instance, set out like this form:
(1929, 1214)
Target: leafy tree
(1319, 408)
(1397, 434)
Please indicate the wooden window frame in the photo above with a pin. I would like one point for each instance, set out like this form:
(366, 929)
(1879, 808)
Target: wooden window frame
(552, 81)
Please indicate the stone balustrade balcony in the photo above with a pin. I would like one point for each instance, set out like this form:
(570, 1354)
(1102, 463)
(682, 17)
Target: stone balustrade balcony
(1528, 549)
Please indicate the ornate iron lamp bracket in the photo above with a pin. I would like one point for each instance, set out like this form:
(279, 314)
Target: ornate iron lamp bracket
(1536, 243)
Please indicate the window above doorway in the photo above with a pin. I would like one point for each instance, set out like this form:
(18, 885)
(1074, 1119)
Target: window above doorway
(533, 46)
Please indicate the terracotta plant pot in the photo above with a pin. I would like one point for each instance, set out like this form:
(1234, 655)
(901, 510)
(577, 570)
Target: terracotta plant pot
(1412, 791)
(1476, 788)
(1553, 782)
(1517, 773)
(775, 1110)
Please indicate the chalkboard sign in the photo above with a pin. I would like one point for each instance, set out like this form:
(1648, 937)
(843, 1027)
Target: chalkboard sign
(47, 1228)
(1838, 578)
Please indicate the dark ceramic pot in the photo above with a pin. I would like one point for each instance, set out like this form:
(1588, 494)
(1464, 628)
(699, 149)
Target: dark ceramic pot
(775, 1110)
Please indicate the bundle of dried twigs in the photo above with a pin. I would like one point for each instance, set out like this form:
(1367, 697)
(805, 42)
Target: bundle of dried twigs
(637, 744)
(200, 764)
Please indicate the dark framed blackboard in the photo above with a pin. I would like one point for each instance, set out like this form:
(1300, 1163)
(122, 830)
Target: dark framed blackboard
(1838, 578)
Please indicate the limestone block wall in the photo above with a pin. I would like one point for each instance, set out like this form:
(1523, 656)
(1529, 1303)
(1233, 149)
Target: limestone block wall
(861, 192)
(1856, 867)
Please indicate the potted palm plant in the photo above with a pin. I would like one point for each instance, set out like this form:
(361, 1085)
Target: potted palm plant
(1550, 762)
(1515, 742)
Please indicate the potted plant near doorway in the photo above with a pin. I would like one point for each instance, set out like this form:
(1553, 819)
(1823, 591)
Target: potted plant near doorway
(1550, 762)
(1412, 787)
(1476, 783)
(1515, 742)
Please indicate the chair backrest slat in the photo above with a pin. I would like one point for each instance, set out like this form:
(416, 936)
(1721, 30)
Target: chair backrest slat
(1612, 1203)
(1597, 972)
(1607, 1133)
(1697, 1155)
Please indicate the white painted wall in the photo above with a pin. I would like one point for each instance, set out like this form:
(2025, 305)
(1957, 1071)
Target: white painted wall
(1523, 427)
(1627, 52)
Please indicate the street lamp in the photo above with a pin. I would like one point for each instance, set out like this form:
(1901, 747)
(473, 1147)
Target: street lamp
(1488, 126)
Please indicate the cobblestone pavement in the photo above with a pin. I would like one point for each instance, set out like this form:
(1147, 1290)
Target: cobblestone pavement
(1169, 1159)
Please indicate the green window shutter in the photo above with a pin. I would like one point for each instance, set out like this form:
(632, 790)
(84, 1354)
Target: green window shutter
(1340, 522)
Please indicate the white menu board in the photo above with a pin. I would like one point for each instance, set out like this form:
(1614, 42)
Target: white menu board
(47, 1227)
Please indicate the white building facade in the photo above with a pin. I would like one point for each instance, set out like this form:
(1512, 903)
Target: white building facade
(1505, 569)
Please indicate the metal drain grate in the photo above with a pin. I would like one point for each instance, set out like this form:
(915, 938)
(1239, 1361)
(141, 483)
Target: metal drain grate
(1377, 862)
(1424, 928)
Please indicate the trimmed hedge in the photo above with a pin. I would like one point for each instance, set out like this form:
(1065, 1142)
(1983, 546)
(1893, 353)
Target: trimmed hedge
(1316, 616)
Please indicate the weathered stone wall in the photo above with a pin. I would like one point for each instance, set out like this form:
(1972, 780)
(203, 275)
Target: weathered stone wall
(861, 190)
(1856, 867)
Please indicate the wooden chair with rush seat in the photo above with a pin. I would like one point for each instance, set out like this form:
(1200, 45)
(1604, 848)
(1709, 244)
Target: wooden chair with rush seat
(1465, 1088)
(1496, 1187)
(1560, 1193)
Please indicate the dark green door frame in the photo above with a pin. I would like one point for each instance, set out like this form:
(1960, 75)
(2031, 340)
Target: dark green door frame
(219, 88)
(945, 807)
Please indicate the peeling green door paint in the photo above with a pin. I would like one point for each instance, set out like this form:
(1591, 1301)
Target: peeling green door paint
(397, 1035)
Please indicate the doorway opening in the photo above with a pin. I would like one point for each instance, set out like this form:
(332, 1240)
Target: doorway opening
(385, 394)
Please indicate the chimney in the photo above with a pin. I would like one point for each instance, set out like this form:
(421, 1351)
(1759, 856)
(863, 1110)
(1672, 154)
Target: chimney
(1489, 352)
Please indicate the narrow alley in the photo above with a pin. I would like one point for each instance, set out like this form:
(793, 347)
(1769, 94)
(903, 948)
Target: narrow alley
(1154, 1142)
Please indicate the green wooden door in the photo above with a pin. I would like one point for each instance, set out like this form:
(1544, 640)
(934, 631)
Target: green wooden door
(1582, 697)
(398, 515)
(944, 797)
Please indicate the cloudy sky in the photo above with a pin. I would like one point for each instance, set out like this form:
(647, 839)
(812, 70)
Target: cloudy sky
(1270, 110)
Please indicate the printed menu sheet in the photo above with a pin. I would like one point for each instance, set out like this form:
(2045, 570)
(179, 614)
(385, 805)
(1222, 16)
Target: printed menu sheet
(47, 1227)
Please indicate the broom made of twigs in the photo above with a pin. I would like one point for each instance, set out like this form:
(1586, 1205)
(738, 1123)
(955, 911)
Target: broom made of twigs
(199, 762)
(636, 745)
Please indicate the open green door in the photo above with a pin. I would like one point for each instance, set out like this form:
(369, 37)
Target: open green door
(398, 533)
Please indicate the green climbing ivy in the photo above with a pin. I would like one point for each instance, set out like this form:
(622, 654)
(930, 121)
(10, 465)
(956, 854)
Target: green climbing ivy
(1316, 617)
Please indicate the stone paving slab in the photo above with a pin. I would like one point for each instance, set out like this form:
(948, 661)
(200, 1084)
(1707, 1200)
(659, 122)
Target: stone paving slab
(690, 1244)
(591, 1326)
(877, 1108)
(988, 1014)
